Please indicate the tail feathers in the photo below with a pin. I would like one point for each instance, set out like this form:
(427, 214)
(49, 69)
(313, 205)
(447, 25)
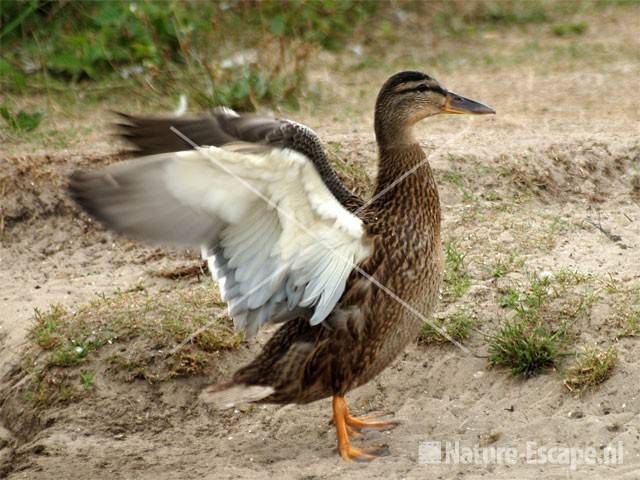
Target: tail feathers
(228, 395)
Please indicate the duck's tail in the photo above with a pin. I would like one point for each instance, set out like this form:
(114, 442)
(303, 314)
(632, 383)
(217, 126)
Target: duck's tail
(230, 394)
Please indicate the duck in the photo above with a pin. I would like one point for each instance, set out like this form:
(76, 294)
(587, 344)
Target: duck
(348, 281)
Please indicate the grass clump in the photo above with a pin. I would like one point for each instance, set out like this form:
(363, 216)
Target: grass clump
(456, 276)
(87, 378)
(628, 320)
(526, 348)
(21, 121)
(456, 327)
(592, 367)
(140, 335)
(541, 329)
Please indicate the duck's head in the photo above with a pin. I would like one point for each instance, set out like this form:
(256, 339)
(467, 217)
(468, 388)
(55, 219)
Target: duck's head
(408, 97)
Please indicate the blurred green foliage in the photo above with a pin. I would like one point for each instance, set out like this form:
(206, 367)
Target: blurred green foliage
(238, 53)
(21, 121)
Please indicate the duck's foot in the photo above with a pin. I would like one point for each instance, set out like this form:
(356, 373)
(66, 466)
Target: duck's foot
(354, 454)
(353, 432)
(348, 426)
(370, 422)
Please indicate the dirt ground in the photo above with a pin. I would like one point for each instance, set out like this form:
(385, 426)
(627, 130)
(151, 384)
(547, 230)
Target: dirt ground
(553, 179)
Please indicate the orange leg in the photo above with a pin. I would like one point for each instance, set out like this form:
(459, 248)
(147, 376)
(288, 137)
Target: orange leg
(342, 418)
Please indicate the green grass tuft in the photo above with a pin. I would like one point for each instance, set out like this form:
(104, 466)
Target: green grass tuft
(87, 378)
(21, 121)
(541, 330)
(526, 348)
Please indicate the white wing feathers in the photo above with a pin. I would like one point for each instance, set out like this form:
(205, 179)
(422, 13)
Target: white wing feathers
(279, 243)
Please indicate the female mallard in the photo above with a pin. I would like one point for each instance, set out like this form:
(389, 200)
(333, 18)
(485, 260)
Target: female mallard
(288, 242)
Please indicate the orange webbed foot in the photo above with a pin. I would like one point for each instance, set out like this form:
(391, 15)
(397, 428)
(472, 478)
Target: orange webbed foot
(354, 454)
(348, 426)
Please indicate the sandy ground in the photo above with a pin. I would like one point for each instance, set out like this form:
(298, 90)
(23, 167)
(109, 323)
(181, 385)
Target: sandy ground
(563, 150)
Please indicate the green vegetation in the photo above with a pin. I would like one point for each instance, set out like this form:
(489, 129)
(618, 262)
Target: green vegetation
(456, 277)
(462, 17)
(568, 29)
(526, 348)
(541, 330)
(506, 264)
(630, 323)
(457, 327)
(239, 54)
(592, 367)
(86, 379)
(458, 18)
(21, 121)
(153, 337)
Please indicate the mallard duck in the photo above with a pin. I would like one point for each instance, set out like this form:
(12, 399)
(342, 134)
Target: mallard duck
(350, 281)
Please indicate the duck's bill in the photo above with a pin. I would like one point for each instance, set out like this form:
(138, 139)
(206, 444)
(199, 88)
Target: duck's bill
(457, 104)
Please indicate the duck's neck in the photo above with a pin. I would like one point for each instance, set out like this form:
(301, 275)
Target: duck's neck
(398, 163)
(405, 185)
(391, 131)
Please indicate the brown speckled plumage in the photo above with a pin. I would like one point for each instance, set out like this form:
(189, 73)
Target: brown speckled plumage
(368, 327)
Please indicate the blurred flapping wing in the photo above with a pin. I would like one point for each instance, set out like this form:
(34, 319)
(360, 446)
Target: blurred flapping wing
(276, 239)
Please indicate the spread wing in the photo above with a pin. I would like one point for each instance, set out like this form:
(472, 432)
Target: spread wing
(276, 239)
(222, 126)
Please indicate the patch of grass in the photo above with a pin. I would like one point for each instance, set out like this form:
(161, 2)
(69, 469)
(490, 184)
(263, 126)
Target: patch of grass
(87, 378)
(568, 277)
(507, 264)
(456, 326)
(510, 298)
(157, 337)
(628, 318)
(613, 286)
(592, 367)
(51, 387)
(569, 29)
(456, 276)
(21, 121)
(549, 295)
(466, 17)
(545, 311)
(44, 330)
(526, 348)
